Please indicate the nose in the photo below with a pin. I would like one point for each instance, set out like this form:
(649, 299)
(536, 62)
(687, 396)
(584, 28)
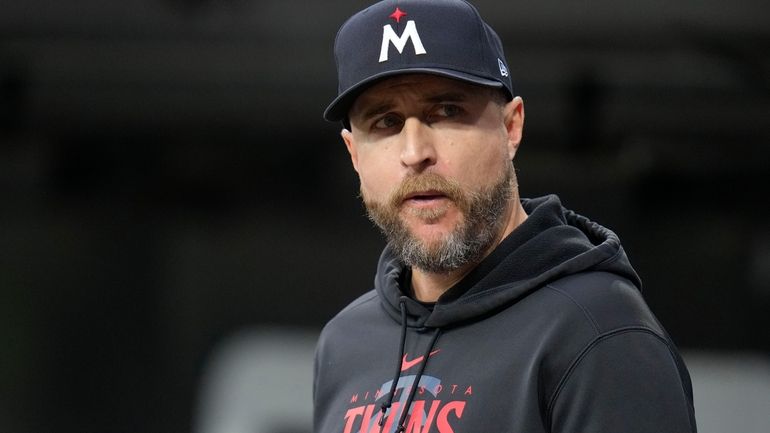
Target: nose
(418, 151)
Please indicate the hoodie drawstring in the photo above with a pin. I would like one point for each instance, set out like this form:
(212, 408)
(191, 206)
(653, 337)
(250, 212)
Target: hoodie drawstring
(416, 384)
(423, 363)
(386, 405)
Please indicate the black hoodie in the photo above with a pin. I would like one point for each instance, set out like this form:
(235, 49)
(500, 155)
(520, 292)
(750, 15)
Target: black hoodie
(549, 333)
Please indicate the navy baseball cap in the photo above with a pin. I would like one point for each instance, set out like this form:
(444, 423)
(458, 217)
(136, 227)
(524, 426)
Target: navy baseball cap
(392, 37)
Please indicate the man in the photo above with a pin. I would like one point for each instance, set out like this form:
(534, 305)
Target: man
(490, 313)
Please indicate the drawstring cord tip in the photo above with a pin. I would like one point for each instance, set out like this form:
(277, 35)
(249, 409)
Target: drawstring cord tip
(384, 408)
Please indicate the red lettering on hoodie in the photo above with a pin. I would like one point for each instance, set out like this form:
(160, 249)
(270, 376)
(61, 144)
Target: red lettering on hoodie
(415, 424)
(350, 417)
(368, 421)
(443, 416)
(365, 419)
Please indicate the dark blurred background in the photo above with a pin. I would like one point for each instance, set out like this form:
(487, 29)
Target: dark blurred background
(166, 180)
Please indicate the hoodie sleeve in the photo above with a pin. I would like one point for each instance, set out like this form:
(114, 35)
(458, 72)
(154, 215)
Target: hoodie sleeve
(626, 381)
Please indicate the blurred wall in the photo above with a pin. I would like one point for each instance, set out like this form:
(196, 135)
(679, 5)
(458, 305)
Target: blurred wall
(166, 179)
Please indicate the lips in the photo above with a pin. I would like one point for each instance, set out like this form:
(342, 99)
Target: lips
(424, 198)
(424, 191)
(425, 195)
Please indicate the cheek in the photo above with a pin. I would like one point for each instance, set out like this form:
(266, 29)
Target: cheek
(376, 180)
(478, 162)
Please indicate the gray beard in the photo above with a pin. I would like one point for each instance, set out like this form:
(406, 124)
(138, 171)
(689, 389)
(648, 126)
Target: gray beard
(484, 216)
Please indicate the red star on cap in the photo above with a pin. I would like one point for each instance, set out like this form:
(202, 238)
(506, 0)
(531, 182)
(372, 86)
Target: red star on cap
(397, 14)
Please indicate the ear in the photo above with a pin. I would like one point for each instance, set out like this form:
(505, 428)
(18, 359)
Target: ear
(514, 124)
(350, 143)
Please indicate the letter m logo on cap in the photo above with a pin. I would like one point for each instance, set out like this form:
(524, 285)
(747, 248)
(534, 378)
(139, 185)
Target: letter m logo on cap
(389, 35)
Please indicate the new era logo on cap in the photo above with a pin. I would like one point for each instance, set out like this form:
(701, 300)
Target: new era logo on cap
(503, 69)
(441, 37)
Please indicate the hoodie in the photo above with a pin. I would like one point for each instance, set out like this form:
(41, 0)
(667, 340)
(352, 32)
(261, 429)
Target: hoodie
(549, 333)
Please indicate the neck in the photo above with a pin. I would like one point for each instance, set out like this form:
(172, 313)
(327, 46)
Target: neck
(428, 286)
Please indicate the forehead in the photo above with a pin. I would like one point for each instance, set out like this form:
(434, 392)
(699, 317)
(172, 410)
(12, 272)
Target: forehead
(418, 87)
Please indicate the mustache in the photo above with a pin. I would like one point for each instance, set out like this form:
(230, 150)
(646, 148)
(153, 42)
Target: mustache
(426, 182)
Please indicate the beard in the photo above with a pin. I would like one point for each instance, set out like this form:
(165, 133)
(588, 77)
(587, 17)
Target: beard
(483, 216)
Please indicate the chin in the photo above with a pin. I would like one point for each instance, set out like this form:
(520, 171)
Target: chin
(433, 233)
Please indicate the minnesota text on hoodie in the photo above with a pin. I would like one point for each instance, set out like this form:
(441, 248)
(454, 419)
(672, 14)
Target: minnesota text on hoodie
(549, 333)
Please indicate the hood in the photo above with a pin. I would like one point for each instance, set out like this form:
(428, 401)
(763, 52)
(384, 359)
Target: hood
(553, 242)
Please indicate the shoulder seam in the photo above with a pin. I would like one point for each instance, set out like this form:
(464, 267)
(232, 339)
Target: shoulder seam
(588, 347)
(579, 305)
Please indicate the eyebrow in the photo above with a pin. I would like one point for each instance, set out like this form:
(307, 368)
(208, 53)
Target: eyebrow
(377, 110)
(387, 105)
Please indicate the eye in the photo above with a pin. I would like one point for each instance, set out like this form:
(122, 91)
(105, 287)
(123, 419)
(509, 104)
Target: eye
(446, 111)
(449, 110)
(387, 121)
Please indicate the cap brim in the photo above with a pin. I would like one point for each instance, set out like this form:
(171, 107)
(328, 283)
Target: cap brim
(339, 107)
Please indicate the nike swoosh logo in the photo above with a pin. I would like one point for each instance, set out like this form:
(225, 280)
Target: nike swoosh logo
(406, 365)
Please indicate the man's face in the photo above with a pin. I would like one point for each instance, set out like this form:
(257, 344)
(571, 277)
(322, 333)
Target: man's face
(434, 158)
